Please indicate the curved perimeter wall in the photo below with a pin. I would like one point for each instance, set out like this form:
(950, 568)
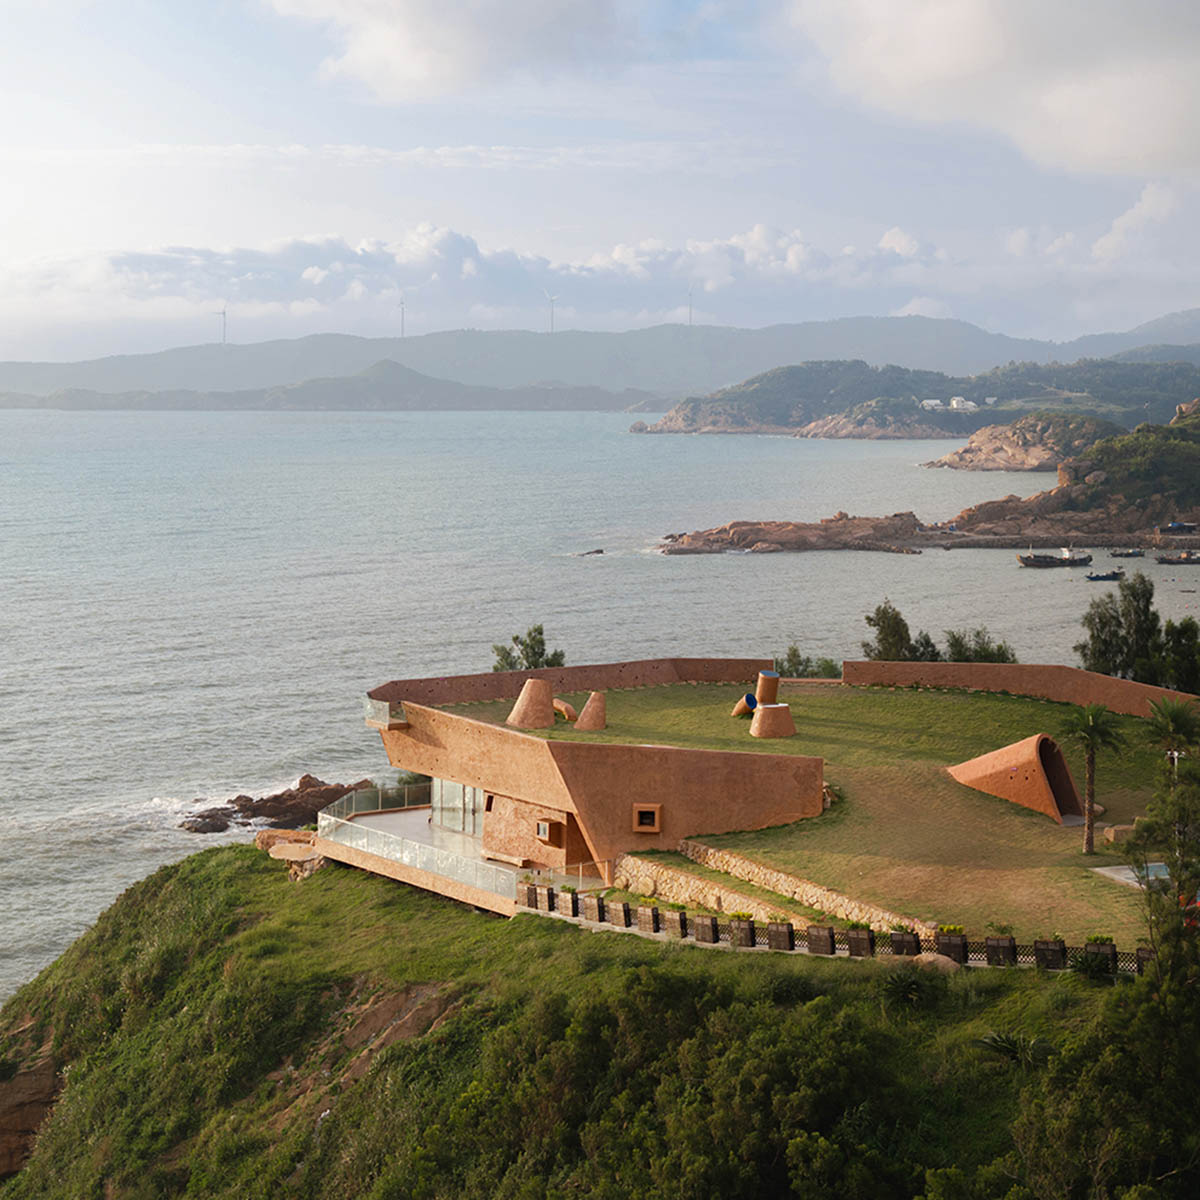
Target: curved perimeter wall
(504, 685)
(1069, 685)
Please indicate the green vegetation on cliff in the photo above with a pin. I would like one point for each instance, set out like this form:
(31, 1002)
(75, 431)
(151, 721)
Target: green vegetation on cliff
(793, 397)
(224, 1032)
(1153, 459)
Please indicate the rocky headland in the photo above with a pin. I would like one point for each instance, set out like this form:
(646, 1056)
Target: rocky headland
(1119, 494)
(290, 809)
(1038, 442)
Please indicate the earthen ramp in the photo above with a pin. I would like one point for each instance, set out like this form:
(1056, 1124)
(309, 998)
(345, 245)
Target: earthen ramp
(1031, 773)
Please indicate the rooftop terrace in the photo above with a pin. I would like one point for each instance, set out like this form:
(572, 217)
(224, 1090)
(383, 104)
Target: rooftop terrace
(907, 836)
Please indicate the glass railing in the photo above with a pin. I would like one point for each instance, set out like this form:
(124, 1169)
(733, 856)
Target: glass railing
(375, 799)
(382, 712)
(486, 876)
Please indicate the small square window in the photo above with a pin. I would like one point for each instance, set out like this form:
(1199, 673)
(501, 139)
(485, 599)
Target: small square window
(487, 804)
(543, 830)
(647, 818)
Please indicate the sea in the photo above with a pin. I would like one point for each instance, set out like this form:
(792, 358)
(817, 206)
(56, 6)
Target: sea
(192, 605)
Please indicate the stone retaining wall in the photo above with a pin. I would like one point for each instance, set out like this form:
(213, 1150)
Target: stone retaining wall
(645, 877)
(811, 895)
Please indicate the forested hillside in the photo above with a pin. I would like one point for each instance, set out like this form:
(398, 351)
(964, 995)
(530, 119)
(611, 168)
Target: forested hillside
(223, 1032)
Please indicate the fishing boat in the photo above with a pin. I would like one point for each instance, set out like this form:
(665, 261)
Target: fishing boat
(1114, 576)
(1067, 558)
(1182, 558)
(1132, 552)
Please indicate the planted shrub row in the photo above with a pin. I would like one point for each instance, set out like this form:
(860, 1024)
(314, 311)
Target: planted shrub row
(1099, 954)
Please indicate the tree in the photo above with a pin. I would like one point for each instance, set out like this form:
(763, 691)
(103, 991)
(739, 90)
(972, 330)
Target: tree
(976, 645)
(1104, 649)
(530, 652)
(1124, 633)
(1141, 627)
(794, 665)
(1181, 655)
(1174, 724)
(892, 642)
(1093, 728)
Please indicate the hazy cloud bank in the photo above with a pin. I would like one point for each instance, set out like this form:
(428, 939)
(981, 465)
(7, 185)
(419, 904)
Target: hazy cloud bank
(1043, 282)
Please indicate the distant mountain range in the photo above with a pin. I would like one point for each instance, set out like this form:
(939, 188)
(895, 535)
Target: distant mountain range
(668, 360)
(382, 387)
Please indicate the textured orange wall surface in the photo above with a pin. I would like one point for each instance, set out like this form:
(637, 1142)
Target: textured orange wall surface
(1050, 682)
(504, 685)
(511, 829)
(701, 791)
(1018, 773)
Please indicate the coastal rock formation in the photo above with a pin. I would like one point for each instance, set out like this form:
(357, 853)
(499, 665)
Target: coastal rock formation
(289, 809)
(873, 428)
(1039, 442)
(1119, 494)
(841, 532)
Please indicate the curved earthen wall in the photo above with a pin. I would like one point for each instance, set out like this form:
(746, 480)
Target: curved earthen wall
(1068, 685)
(506, 685)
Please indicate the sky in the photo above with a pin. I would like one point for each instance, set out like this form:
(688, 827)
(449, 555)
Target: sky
(348, 165)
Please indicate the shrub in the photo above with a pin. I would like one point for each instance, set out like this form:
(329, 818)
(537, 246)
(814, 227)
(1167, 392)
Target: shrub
(950, 929)
(1020, 1048)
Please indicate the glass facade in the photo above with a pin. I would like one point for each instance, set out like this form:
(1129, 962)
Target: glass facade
(457, 806)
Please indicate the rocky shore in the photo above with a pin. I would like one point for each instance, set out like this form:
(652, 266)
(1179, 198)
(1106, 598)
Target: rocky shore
(289, 809)
(1050, 519)
(1034, 443)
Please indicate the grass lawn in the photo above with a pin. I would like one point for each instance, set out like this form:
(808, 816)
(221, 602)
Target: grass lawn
(907, 836)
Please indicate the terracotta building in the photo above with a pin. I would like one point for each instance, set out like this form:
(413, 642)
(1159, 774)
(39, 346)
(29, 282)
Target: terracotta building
(503, 800)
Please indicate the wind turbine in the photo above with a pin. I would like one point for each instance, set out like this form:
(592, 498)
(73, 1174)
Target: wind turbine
(401, 307)
(222, 315)
(689, 308)
(552, 300)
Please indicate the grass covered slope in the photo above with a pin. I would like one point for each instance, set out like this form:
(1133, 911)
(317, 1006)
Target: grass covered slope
(224, 1032)
(908, 837)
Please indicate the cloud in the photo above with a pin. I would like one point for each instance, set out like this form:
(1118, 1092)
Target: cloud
(923, 306)
(1039, 281)
(410, 49)
(899, 242)
(1095, 85)
(1154, 205)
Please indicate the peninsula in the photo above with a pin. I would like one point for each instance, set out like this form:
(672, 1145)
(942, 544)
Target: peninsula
(1120, 493)
(851, 399)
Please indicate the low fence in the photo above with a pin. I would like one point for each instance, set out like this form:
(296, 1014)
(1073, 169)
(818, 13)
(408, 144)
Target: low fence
(783, 936)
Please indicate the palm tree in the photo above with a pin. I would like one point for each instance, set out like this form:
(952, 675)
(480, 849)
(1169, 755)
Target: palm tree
(1175, 726)
(1092, 727)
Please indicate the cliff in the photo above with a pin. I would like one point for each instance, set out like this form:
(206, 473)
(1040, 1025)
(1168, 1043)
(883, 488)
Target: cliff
(222, 1032)
(1038, 442)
